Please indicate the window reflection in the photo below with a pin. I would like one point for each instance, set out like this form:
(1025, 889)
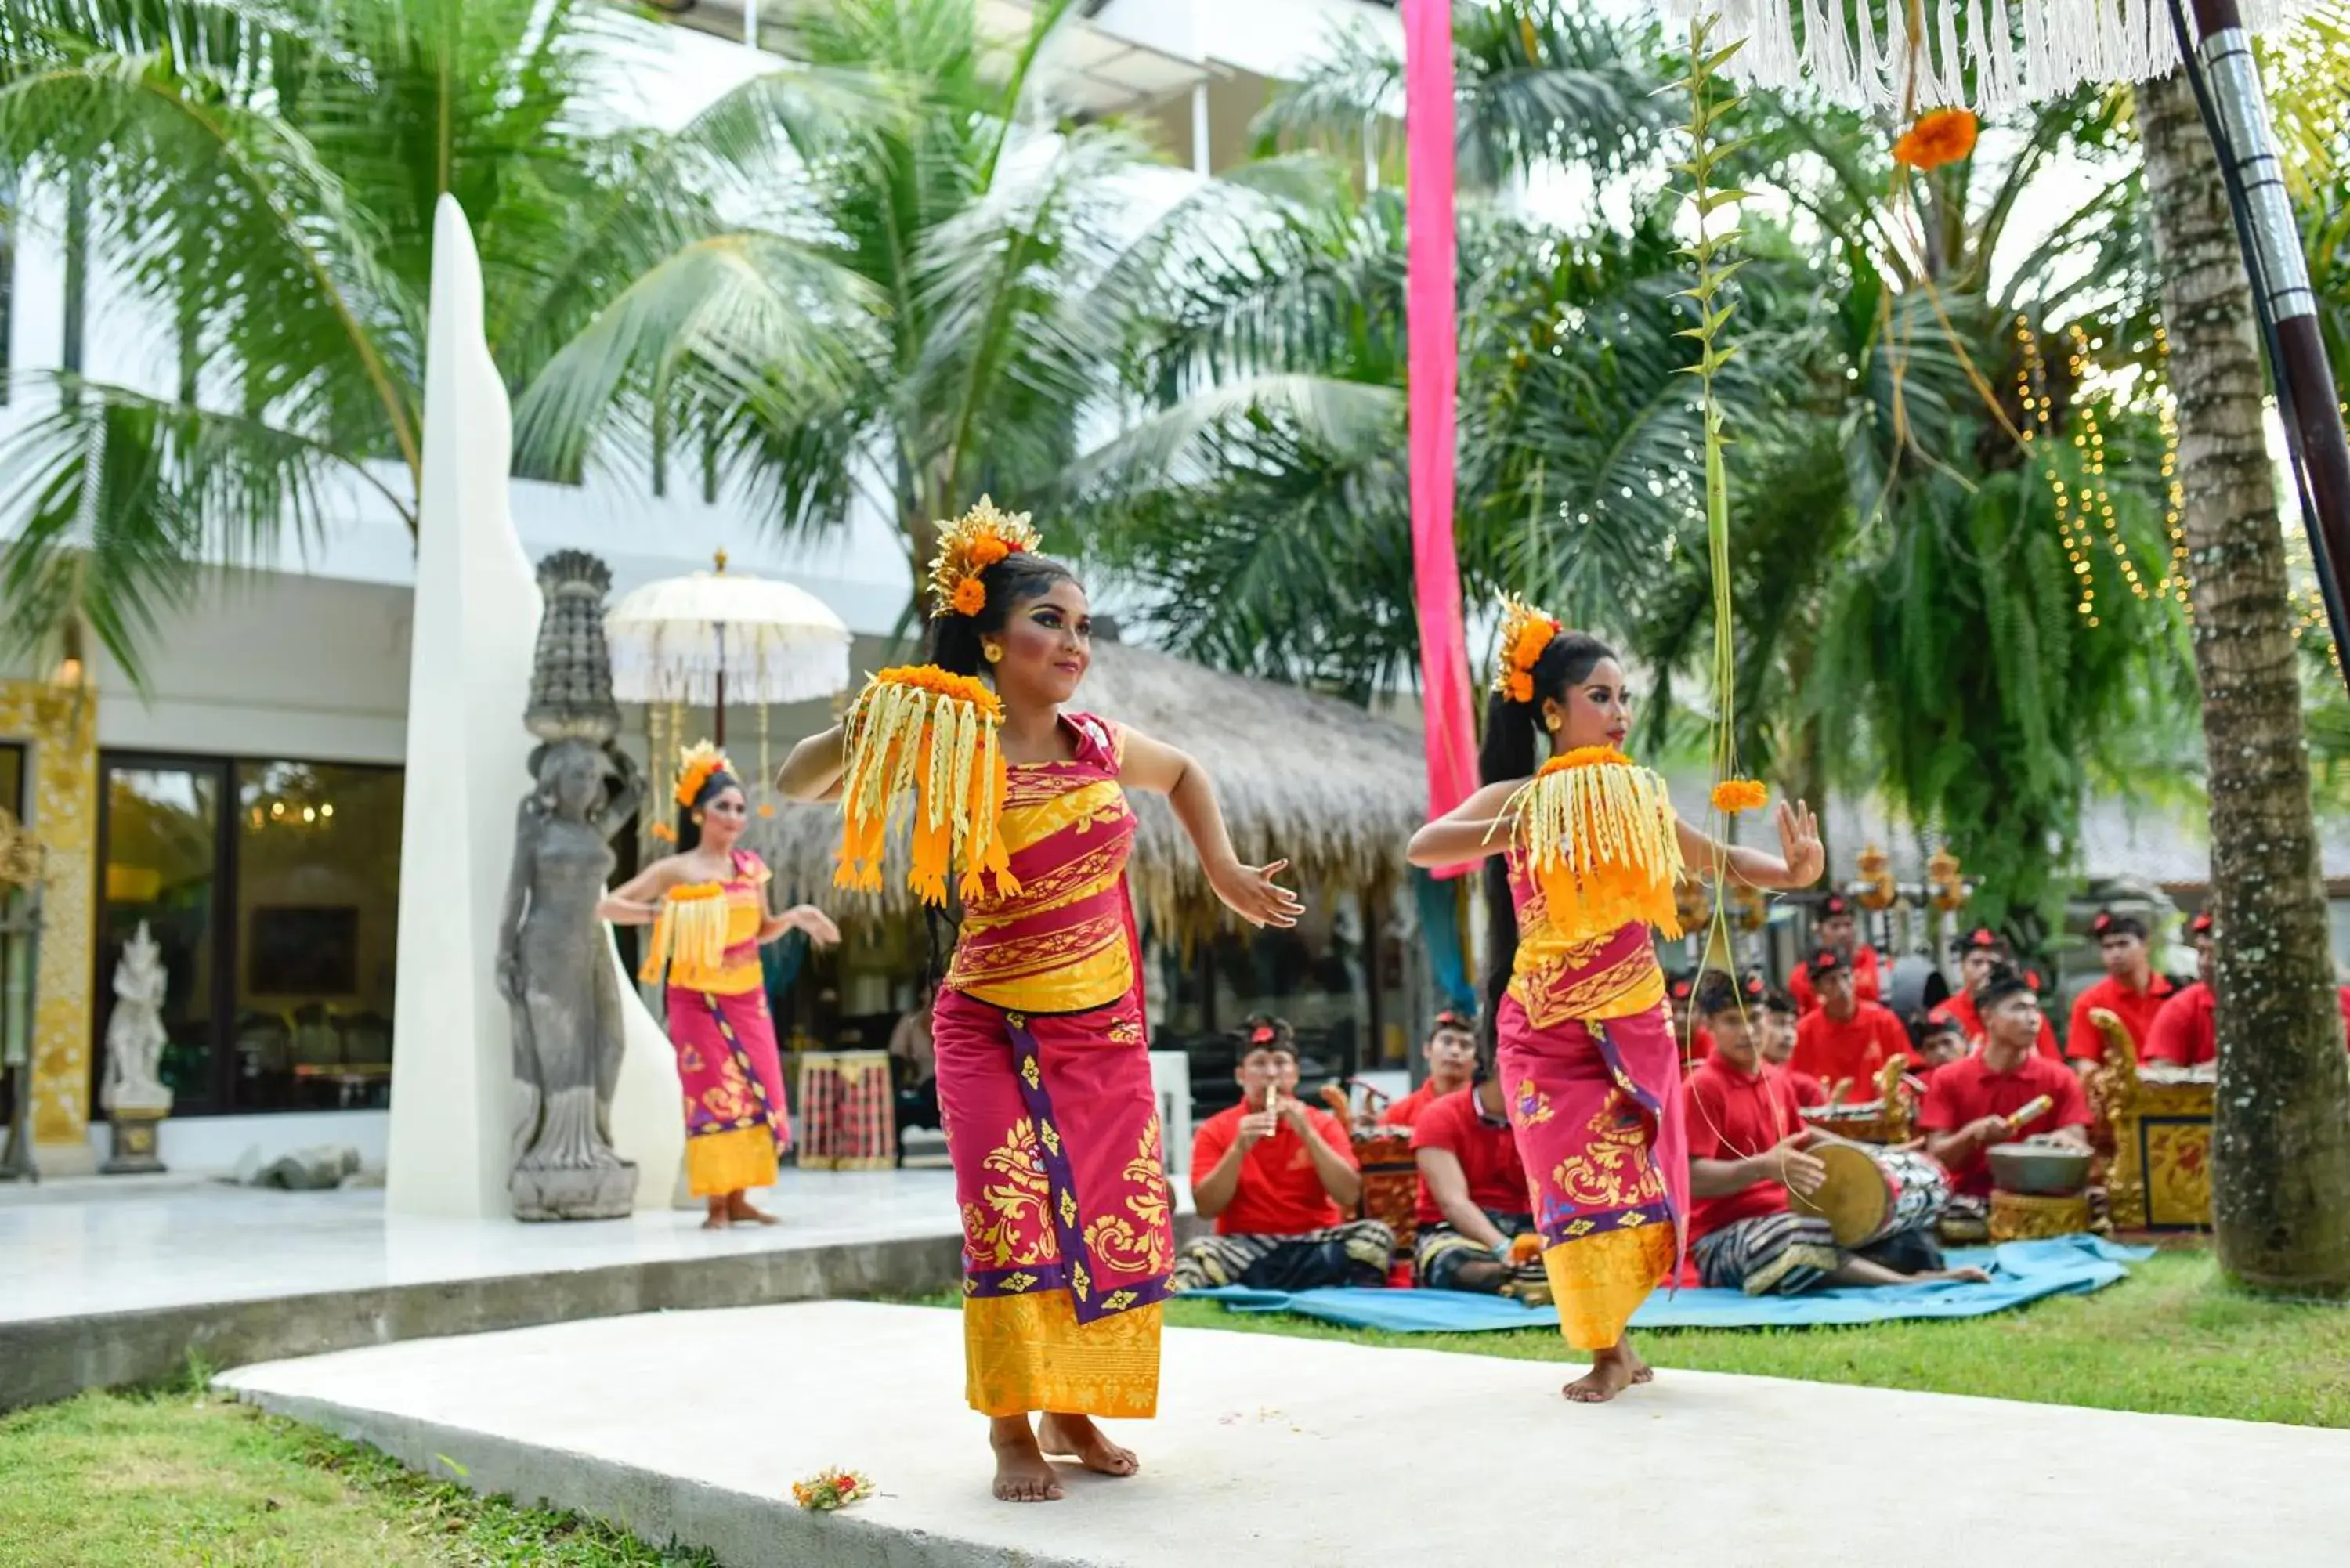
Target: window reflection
(162, 839)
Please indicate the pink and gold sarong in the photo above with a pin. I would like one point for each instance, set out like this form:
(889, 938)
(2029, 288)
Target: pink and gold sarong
(735, 1115)
(1593, 1077)
(1045, 1095)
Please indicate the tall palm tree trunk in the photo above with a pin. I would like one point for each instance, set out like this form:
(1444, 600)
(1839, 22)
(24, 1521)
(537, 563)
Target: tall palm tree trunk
(2281, 1137)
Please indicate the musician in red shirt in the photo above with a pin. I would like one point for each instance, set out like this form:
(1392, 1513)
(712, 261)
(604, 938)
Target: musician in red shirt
(1837, 930)
(2131, 991)
(1775, 1044)
(1279, 1180)
(2185, 1031)
(1451, 1054)
(1696, 1043)
(1972, 1104)
(1937, 1041)
(1474, 1199)
(1980, 951)
(1747, 1144)
(1846, 1040)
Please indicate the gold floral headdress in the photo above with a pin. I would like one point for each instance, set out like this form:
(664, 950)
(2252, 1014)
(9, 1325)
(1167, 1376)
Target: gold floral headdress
(1525, 632)
(968, 546)
(695, 766)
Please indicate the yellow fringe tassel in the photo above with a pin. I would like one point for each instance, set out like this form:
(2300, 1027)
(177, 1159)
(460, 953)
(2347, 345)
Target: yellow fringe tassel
(1598, 833)
(691, 929)
(924, 735)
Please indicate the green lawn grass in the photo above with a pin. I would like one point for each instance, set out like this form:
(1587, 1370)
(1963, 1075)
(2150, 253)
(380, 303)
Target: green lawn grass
(164, 1480)
(2172, 1339)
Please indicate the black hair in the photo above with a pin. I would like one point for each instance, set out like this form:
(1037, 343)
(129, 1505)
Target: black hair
(954, 641)
(1779, 1002)
(689, 830)
(1716, 994)
(2005, 980)
(1449, 1019)
(1924, 1026)
(1278, 1035)
(2108, 924)
(1508, 753)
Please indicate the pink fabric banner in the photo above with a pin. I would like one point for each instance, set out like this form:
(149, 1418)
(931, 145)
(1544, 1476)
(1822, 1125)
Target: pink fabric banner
(1434, 381)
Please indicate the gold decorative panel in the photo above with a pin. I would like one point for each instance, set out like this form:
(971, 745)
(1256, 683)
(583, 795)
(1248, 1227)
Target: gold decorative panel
(59, 730)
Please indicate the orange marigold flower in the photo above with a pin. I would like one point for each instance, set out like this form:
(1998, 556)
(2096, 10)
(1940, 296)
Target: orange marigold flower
(1584, 757)
(1734, 795)
(1521, 686)
(931, 677)
(970, 596)
(664, 832)
(985, 551)
(1940, 135)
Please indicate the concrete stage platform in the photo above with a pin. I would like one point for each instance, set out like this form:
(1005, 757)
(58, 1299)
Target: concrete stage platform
(113, 1280)
(1275, 1451)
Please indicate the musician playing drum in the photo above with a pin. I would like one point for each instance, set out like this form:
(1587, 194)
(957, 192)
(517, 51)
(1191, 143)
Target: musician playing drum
(1747, 1148)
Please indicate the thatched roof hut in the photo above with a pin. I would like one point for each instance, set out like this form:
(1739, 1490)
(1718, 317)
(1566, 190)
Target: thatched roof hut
(1302, 777)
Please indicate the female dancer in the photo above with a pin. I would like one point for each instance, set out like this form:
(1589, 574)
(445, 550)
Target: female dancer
(708, 907)
(1043, 1073)
(1573, 992)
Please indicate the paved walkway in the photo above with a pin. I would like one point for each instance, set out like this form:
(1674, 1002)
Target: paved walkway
(106, 1245)
(1278, 1451)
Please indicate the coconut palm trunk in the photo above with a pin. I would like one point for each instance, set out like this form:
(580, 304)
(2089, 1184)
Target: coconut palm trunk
(2281, 1143)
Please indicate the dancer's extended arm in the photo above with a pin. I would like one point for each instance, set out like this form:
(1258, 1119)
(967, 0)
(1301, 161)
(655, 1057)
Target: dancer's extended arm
(1798, 864)
(1250, 891)
(1470, 831)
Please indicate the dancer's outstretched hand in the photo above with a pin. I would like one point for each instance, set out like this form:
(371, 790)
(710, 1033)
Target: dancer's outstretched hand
(1799, 844)
(1250, 892)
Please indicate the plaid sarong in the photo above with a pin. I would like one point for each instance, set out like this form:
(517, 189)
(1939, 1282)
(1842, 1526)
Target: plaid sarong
(1354, 1253)
(1771, 1254)
(1442, 1250)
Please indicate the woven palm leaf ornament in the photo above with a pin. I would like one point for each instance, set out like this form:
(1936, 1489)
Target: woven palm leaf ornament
(921, 744)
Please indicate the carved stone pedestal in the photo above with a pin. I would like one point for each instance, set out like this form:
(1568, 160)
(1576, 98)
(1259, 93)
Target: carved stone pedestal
(133, 1147)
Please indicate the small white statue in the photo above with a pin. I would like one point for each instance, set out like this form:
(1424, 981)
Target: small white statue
(134, 1035)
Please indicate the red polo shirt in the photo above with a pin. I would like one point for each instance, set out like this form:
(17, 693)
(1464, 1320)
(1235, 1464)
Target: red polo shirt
(1809, 1091)
(1731, 1115)
(2185, 1031)
(1279, 1193)
(2134, 1007)
(1488, 1153)
(1852, 1049)
(1967, 1090)
(1868, 981)
(1697, 1047)
(1962, 1008)
(1407, 1111)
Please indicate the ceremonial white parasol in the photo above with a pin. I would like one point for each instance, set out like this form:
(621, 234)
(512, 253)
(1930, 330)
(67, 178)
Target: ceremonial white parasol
(718, 637)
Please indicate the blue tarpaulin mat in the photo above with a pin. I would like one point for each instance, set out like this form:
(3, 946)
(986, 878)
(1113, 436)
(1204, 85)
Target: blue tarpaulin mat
(2021, 1272)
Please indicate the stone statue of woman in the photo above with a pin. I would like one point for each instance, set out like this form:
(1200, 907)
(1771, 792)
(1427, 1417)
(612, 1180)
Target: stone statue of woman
(555, 969)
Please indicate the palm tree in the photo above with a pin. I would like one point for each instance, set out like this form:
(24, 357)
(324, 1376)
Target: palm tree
(1002, 266)
(2280, 1134)
(264, 179)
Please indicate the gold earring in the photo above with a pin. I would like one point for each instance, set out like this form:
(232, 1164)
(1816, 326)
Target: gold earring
(995, 654)
(1551, 724)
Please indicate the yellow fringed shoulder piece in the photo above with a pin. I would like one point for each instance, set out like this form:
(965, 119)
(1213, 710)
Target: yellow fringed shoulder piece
(922, 733)
(1595, 830)
(691, 930)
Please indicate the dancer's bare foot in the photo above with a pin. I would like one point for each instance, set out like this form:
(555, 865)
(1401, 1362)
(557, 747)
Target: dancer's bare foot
(717, 1219)
(739, 1209)
(1611, 1371)
(1969, 1276)
(1641, 1371)
(1077, 1438)
(1022, 1472)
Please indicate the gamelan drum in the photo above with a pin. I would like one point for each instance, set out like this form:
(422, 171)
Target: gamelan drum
(1870, 1192)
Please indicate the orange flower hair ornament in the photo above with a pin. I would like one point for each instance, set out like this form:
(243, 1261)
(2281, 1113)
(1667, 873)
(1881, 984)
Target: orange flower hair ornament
(926, 736)
(695, 765)
(968, 546)
(1940, 136)
(1525, 632)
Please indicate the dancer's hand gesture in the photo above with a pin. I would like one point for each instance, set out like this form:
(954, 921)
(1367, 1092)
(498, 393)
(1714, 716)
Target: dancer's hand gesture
(1799, 844)
(1250, 892)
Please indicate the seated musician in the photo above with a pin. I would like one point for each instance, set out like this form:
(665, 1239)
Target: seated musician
(2131, 991)
(1837, 930)
(1695, 1043)
(1451, 1053)
(1975, 1102)
(1747, 1143)
(1279, 1180)
(914, 1065)
(1846, 1040)
(1474, 1199)
(1936, 1041)
(1775, 1044)
(2185, 1031)
(1980, 951)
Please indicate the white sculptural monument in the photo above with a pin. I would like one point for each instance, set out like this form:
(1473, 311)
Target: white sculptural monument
(134, 1095)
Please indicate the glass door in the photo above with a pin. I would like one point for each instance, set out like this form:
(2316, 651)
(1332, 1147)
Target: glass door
(160, 835)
